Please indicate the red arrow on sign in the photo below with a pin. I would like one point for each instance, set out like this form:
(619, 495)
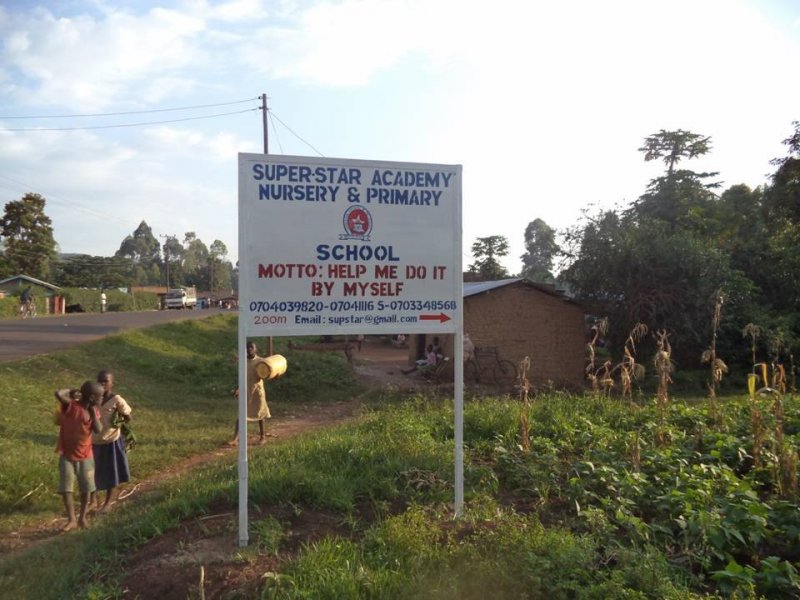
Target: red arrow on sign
(441, 317)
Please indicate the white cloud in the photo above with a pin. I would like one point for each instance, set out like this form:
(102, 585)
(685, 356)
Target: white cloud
(348, 43)
(238, 11)
(89, 64)
(544, 103)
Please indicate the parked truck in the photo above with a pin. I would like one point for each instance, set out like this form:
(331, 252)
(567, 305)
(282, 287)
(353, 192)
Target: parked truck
(183, 297)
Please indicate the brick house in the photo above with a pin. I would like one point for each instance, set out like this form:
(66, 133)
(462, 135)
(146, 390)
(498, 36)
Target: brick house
(522, 318)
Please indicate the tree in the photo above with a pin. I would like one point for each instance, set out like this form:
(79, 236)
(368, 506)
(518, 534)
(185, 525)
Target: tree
(219, 268)
(540, 250)
(672, 146)
(595, 252)
(154, 275)
(195, 261)
(646, 273)
(139, 276)
(82, 270)
(143, 249)
(662, 261)
(173, 262)
(27, 235)
(784, 194)
(486, 252)
(681, 197)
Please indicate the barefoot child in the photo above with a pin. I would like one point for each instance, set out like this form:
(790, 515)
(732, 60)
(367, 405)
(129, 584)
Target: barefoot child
(110, 455)
(257, 407)
(78, 420)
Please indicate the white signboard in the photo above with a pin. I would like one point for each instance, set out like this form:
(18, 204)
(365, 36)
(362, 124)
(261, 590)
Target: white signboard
(333, 246)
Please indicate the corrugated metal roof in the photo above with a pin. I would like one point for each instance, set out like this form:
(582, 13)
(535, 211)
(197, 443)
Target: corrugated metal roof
(472, 288)
(478, 287)
(31, 280)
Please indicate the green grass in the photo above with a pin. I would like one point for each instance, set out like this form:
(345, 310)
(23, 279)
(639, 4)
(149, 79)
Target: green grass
(598, 508)
(389, 476)
(177, 377)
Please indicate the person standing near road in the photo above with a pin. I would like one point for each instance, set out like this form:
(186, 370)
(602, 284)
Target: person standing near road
(77, 420)
(108, 445)
(102, 301)
(257, 407)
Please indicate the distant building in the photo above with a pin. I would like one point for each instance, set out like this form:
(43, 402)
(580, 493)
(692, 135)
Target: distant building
(16, 284)
(43, 292)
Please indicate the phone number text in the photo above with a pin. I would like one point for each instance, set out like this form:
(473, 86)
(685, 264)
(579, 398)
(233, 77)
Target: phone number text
(314, 306)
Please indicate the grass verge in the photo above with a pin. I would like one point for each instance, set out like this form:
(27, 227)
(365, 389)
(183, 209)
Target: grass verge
(613, 500)
(177, 377)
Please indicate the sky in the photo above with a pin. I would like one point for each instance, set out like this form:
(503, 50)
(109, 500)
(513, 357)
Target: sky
(543, 103)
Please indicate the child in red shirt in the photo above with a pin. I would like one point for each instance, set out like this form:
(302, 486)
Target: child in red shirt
(78, 419)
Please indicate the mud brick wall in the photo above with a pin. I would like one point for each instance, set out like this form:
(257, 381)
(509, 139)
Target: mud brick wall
(524, 321)
(521, 320)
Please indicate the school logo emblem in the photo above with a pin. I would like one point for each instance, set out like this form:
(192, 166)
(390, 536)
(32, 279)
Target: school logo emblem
(357, 224)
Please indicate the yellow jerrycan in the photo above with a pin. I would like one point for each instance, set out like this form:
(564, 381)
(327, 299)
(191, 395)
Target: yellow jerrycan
(271, 367)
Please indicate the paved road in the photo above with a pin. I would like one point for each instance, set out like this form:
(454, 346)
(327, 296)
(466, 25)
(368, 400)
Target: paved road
(22, 338)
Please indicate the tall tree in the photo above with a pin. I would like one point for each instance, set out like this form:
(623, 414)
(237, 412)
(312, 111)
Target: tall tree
(784, 194)
(673, 146)
(143, 249)
(173, 262)
(27, 235)
(645, 273)
(82, 270)
(595, 250)
(540, 250)
(680, 197)
(195, 261)
(660, 262)
(486, 251)
(219, 268)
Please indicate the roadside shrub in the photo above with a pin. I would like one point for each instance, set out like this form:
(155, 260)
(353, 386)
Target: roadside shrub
(116, 301)
(9, 306)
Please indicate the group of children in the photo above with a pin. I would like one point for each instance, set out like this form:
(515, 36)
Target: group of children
(91, 446)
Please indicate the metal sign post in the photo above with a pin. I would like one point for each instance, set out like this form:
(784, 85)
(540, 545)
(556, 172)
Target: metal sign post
(346, 247)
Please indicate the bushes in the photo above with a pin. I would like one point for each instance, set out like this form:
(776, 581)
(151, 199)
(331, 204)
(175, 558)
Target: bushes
(9, 306)
(89, 301)
(117, 301)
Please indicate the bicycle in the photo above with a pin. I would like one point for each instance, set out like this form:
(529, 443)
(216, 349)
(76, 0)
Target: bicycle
(503, 371)
(435, 374)
(27, 309)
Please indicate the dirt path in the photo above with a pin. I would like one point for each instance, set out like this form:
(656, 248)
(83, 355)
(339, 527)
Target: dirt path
(377, 368)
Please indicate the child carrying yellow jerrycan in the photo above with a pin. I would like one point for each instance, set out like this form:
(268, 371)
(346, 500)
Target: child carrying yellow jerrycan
(259, 369)
(271, 367)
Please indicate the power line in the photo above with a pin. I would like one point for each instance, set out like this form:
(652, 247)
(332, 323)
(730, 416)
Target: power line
(143, 124)
(272, 112)
(130, 112)
(24, 187)
(275, 131)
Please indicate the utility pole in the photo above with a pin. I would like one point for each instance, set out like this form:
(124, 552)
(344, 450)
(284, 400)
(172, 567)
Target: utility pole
(266, 151)
(264, 122)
